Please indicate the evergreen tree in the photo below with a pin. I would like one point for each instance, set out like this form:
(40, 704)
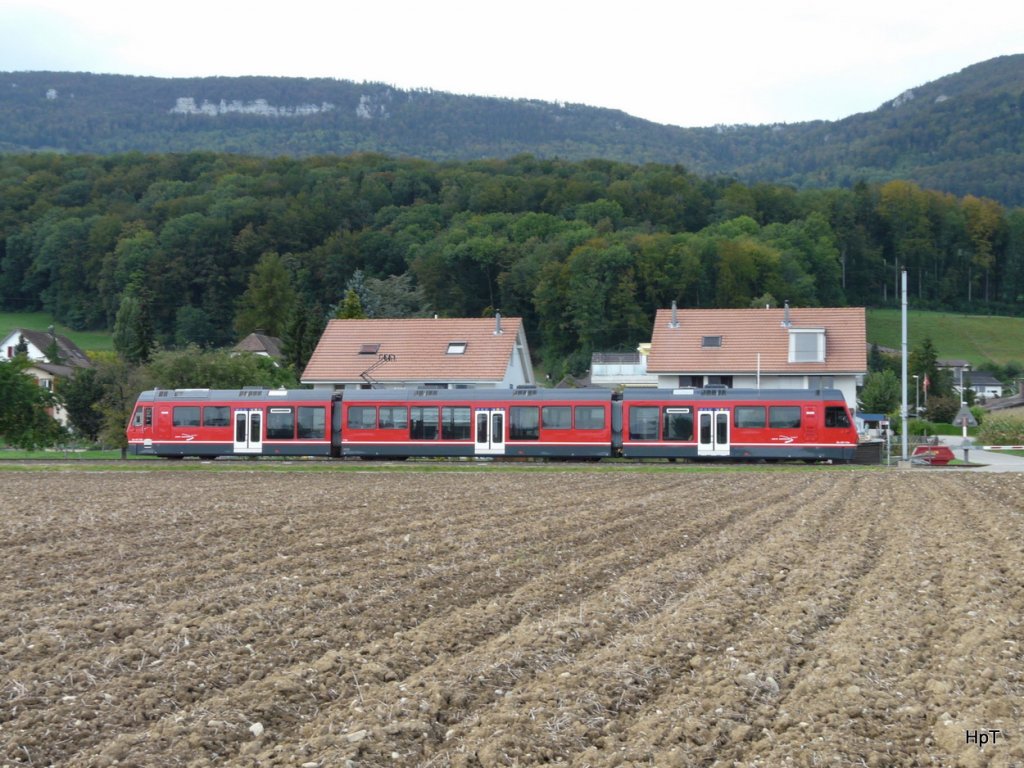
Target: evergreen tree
(268, 300)
(82, 394)
(302, 335)
(133, 327)
(351, 308)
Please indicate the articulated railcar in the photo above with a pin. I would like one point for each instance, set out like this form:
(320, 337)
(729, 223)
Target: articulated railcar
(812, 425)
(696, 424)
(525, 421)
(246, 422)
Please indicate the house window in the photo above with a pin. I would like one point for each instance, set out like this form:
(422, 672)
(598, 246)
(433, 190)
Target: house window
(711, 341)
(806, 345)
(719, 381)
(369, 349)
(457, 347)
(821, 382)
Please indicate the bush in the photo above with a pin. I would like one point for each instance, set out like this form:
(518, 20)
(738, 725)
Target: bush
(1000, 429)
(943, 409)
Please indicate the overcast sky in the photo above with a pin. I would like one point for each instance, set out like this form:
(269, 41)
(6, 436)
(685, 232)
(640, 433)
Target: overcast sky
(679, 62)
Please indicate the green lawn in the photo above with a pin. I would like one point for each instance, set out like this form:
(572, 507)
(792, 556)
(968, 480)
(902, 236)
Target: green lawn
(89, 341)
(975, 338)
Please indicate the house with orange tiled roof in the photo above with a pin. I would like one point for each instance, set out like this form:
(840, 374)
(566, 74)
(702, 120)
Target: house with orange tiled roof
(449, 353)
(792, 347)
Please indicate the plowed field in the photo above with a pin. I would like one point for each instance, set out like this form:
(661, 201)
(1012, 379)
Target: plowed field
(494, 618)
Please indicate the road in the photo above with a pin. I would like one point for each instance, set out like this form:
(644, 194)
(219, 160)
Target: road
(988, 461)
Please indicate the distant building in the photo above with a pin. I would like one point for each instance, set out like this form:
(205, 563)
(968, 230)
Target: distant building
(446, 353)
(258, 343)
(48, 374)
(622, 369)
(36, 344)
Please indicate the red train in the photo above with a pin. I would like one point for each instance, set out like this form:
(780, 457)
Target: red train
(810, 425)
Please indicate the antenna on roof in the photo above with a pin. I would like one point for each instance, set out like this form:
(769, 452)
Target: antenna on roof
(785, 315)
(674, 322)
(497, 324)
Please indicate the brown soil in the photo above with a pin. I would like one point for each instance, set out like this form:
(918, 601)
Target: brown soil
(486, 618)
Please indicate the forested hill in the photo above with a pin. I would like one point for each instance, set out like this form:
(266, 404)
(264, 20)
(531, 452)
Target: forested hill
(960, 134)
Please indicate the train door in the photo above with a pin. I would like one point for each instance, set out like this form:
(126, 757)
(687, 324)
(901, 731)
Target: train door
(810, 423)
(713, 433)
(248, 430)
(490, 432)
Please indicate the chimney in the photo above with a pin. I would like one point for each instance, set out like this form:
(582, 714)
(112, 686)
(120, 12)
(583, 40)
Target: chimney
(674, 322)
(785, 315)
(497, 324)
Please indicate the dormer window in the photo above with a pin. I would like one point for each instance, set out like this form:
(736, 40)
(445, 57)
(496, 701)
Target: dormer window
(711, 341)
(369, 349)
(806, 345)
(457, 347)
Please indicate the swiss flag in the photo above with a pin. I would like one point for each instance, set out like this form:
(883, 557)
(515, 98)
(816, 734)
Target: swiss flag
(926, 382)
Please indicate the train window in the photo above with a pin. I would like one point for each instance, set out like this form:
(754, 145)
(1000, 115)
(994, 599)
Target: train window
(643, 422)
(836, 417)
(362, 417)
(678, 424)
(455, 422)
(312, 422)
(280, 424)
(185, 416)
(784, 417)
(216, 416)
(393, 417)
(423, 423)
(748, 416)
(147, 420)
(589, 417)
(556, 417)
(524, 422)
(137, 418)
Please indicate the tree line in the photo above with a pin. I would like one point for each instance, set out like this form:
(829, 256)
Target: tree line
(202, 248)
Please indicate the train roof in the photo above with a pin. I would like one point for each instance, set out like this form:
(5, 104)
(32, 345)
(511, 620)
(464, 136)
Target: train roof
(513, 395)
(246, 394)
(712, 394)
